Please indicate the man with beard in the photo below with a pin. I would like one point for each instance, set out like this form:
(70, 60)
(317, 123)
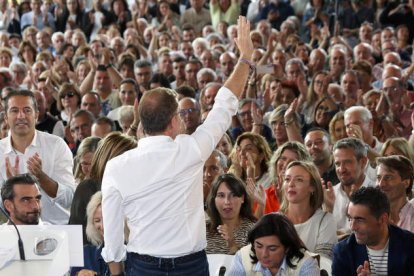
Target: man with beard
(318, 143)
(350, 157)
(375, 247)
(21, 196)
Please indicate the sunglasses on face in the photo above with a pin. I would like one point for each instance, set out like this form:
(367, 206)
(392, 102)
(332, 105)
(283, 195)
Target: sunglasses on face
(70, 95)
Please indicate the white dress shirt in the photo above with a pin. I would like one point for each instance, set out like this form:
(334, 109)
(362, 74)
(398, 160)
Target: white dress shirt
(57, 163)
(341, 205)
(159, 188)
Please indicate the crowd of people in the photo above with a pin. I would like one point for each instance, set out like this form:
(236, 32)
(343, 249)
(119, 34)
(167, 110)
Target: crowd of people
(191, 130)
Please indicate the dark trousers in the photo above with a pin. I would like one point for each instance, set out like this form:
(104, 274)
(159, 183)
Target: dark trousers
(194, 264)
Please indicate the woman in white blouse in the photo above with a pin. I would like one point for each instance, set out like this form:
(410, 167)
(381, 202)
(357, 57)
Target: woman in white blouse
(303, 198)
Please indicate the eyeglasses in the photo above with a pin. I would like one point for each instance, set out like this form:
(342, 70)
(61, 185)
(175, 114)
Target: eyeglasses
(245, 113)
(70, 95)
(323, 108)
(390, 89)
(188, 111)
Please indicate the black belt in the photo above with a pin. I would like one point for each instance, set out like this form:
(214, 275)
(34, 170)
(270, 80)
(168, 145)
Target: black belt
(168, 261)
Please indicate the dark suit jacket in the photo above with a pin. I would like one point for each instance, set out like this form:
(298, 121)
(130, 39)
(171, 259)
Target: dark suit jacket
(348, 255)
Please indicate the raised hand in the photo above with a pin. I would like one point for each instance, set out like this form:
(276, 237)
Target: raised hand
(12, 170)
(243, 40)
(328, 195)
(34, 165)
(363, 270)
(256, 193)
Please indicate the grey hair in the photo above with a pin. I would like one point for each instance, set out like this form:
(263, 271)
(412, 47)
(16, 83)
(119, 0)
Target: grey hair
(126, 113)
(91, 232)
(200, 40)
(297, 61)
(206, 71)
(356, 145)
(222, 158)
(21, 66)
(246, 101)
(365, 114)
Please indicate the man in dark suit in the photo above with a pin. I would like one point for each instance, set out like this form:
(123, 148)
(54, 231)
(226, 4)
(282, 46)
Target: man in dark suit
(375, 247)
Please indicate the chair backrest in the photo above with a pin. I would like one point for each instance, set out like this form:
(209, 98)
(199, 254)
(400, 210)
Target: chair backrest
(325, 264)
(216, 261)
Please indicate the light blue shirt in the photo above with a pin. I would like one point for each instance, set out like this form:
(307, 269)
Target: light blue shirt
(309, 268)
(27, 20)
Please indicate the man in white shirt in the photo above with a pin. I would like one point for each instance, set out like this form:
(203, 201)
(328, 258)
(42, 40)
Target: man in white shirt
(395, 175)
(350, 157)
(159, 187)
(44, 155)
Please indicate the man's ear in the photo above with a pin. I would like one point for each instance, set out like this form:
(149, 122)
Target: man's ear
(8, 205)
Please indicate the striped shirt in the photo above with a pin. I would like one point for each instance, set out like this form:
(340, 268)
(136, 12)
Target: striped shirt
(378, 261)
(217, 245)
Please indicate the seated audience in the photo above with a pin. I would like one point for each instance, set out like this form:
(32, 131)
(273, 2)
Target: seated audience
(275, 249)
(230, 212)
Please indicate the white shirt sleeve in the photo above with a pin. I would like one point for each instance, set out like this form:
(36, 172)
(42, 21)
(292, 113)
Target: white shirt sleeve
(218, 121)
(62, 174)
(113, 220)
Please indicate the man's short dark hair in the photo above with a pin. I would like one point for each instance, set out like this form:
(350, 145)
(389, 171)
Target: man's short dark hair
(375, 200)
(7, 191)
(359, 148)
(320, 129)
(157, 108)
(186, 91)
(24, 93)
(402, 165)
(105, 121)
(84, 112)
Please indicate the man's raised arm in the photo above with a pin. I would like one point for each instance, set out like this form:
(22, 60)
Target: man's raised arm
(238, 78)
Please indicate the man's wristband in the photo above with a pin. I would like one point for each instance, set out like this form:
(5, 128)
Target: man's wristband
(248, 62)
(133, 128)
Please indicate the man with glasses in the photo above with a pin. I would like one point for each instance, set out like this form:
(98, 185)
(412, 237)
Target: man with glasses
(143, 74)
(251, 120)
(190, 115)
(45, 156)
(81, 127)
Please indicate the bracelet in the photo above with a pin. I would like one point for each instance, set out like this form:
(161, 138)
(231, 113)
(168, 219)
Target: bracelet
(286, 124)
(245, 61)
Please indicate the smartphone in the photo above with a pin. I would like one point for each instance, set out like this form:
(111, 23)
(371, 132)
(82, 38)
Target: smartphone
(264, 69)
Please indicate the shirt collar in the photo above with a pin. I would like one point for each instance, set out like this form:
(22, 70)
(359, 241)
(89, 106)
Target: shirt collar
(259, 268)
(153, 140)
(9, 148)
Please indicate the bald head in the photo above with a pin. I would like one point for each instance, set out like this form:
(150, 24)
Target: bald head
(156, 110)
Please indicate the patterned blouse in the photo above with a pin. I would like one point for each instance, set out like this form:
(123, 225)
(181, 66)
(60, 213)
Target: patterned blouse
(217, 245)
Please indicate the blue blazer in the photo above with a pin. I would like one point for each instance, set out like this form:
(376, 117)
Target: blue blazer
(348, 255)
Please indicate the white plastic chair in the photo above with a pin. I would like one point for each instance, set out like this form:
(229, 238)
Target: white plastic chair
(326, 264)
(216, 261)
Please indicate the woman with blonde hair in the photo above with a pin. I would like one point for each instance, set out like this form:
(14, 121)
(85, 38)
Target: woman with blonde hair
(83, 159)
(285, 154)
(111, 146)
(337, 127)
(398, 146)
(94, 264)
(302, 204)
